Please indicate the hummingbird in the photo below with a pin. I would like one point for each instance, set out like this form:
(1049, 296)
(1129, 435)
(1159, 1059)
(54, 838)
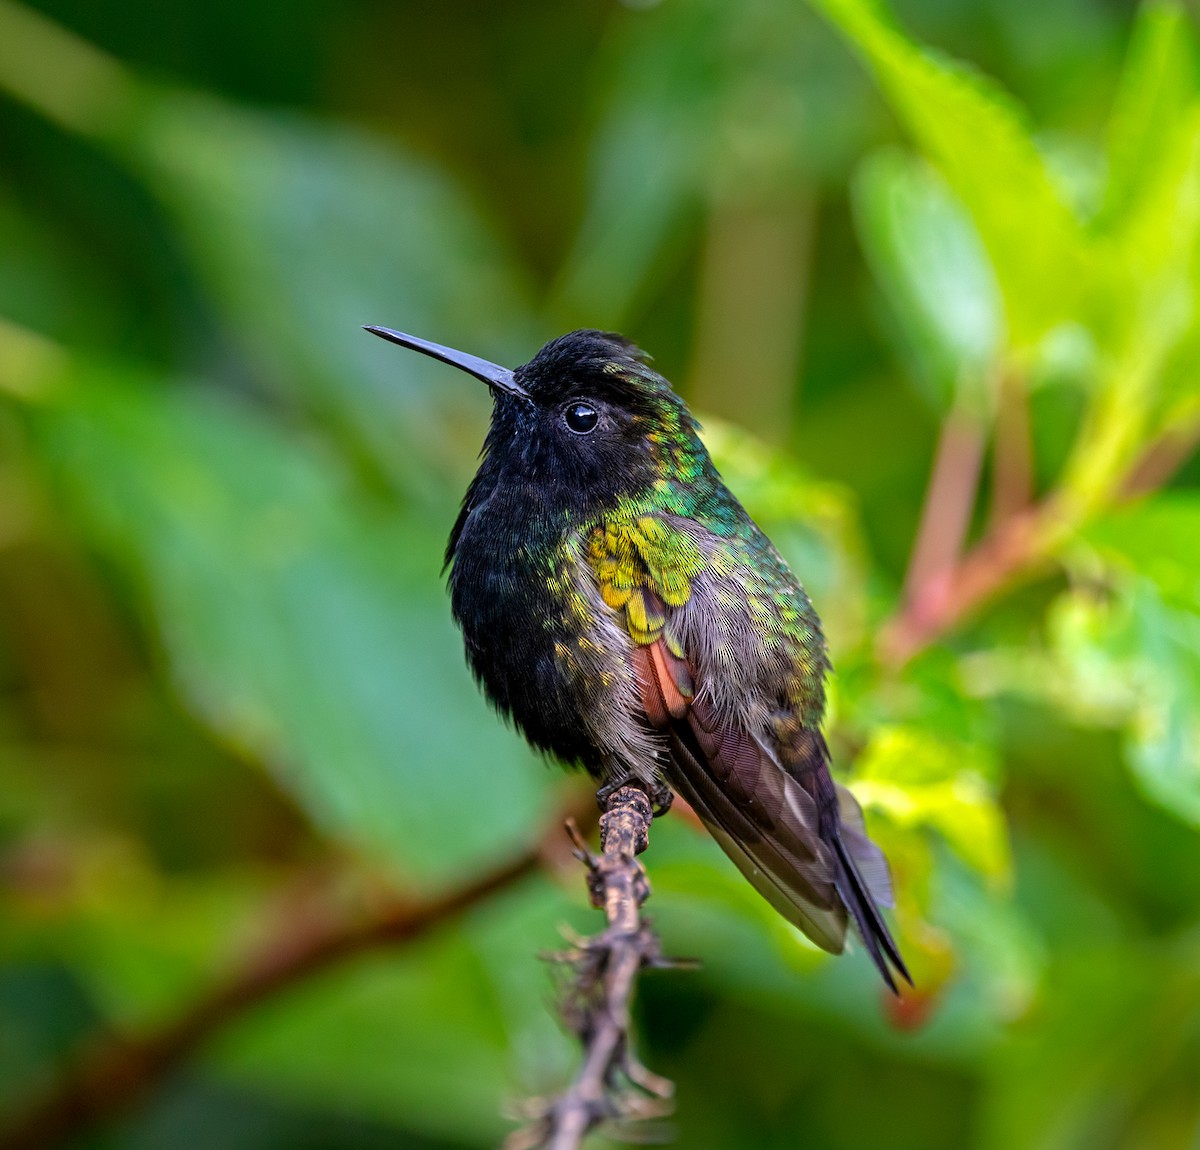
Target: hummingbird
(622, 609)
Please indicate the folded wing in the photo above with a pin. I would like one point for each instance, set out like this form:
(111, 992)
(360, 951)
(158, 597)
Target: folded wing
(765, 795)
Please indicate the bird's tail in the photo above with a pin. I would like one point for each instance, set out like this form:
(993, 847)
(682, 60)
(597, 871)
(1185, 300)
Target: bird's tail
(862, 881)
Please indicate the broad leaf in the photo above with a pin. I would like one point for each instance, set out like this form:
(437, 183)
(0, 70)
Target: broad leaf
(304, 625)
(442, 1037)
(304, 232)
(1158, 85)
(928, 260)
(978, 138)
(916, 779)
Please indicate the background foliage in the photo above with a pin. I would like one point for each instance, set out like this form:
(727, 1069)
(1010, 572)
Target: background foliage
(231, 700)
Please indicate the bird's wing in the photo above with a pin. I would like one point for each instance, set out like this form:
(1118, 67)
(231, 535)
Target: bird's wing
(760, 784)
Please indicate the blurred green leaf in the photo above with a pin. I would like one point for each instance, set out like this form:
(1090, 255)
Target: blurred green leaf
(43, 283)
(1164, 738)
(1101, 1066)
(1154, 252)
(702, 101)
(815, 525)
(443, 1036)
(977, 137)
(306, 626)
(45, 1014)
(1160, 539)
(139, 941)
(1125, 659)
(1148, 228)
(1157, 86)
(916, 779)
(927, 258)
(1000, 956)
(1153, 641)
(304, 232)
(416, 1039)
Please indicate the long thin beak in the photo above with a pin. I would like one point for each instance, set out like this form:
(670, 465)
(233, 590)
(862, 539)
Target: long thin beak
(492, 374)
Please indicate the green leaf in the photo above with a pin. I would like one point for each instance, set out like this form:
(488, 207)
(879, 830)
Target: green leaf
(1157, 86)
(1132, 658)
(44, 285)
(1160, 539)
(304, 232)
(409, 1038)
(814, 524)
(1164, 738)
(975, 134)
(1002, 954)
(304, 625)
(703, 100)
(443, 1036)
(1153, 250)
(1103, 1062)
(934, 273)
(1149, 223)
(916, 779)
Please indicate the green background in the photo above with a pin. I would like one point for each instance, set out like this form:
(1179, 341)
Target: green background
(233, 708)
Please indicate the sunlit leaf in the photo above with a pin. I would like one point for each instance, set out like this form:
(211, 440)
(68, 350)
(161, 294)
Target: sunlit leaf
(1155, 243)
(918, 780)
(936, 276)
(1149, 223)
(1160, 538)
(1155, 643)
(1158, 84)
(1164, 738)
(974, 133)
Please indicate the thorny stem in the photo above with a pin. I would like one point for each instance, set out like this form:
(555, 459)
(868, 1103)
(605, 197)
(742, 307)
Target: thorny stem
(598, 1002)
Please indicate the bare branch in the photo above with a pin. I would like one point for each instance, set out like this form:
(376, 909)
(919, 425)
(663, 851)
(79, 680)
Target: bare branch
(1161, 460)
(1014, 549)
(949, 500)
(612, 1086)
(1009, 552)
(1012, 453)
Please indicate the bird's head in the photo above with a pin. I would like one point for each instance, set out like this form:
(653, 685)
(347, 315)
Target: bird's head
(586, 413)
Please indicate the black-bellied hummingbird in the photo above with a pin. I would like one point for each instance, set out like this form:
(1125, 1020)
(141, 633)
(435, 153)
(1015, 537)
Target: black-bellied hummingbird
(619, 604)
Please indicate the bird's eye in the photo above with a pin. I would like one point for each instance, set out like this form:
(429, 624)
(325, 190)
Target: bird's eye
(581, 418)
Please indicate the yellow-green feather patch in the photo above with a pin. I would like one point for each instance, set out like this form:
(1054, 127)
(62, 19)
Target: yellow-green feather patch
(629, 554)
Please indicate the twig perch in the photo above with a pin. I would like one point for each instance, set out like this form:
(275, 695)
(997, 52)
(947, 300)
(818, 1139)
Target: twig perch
(611, 1086)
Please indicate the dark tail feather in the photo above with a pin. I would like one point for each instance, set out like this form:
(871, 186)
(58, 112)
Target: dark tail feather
(867, 917)
(783, 857)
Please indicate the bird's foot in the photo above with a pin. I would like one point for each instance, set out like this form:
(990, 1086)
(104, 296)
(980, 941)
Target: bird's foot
(661, 796)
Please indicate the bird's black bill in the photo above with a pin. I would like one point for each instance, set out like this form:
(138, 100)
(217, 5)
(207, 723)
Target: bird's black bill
(500, 378)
